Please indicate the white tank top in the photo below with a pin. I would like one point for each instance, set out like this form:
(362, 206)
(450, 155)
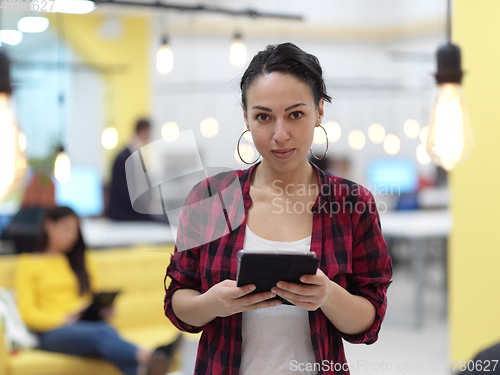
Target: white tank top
(276, 339)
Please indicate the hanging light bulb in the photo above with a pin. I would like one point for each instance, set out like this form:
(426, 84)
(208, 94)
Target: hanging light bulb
(238, 51)
(62, 166)
(164, 58)
(424, 132)
(422, 156)
(12, 159)
(23, 143)
(450, 138)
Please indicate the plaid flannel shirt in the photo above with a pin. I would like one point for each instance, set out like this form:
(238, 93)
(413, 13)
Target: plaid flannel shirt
(346, 237)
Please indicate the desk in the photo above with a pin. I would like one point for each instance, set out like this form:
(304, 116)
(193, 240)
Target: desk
(417, 226)
(103, 233)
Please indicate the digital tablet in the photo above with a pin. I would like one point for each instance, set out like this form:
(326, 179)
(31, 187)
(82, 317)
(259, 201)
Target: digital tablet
(101, 301)
(265, 268)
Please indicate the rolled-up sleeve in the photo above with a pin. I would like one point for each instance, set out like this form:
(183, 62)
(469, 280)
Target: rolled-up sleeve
(184, 268)
(184, 274)
(371, 264)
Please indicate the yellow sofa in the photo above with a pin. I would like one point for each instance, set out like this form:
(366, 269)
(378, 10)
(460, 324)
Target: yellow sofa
(138, 272)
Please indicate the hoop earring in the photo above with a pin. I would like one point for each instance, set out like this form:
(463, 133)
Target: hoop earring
(312, 153)
(238, 149)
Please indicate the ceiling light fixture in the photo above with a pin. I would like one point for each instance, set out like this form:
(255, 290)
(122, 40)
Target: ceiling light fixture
(12, 37)
(238, 51)
(12, 159)
(450, 139)
(33, 24)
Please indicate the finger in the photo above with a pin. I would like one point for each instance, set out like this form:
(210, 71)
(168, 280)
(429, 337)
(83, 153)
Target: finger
(318, 278)
(313, 279)
(242, 290)
(228, 282)
(293, 296)
(306, 290)
(256, 298)
(309, 306)
(261, 305)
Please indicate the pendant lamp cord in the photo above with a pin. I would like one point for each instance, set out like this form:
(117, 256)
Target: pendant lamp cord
(61, 97)
(448, 22)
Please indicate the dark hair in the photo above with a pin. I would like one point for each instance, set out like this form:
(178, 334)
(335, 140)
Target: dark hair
(76, 256)
(141, 125)
(290, 59)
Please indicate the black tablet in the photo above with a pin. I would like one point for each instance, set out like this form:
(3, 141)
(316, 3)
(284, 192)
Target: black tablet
(101, 301)
(265, 268)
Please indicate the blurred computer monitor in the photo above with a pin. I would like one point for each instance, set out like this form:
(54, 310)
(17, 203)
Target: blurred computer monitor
(82, 192)
(391, 176)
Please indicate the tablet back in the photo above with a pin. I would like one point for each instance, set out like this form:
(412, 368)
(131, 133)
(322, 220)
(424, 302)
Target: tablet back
(264, 268)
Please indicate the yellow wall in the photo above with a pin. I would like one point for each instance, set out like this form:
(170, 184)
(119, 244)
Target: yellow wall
(474, 253)
(129, 90)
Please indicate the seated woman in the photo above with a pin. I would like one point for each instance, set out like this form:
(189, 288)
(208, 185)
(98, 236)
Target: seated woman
(55, 285)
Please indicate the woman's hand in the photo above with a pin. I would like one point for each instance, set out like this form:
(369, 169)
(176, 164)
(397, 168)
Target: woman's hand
(225, 298)
(72, 318)
(311, 296)
(107, 313)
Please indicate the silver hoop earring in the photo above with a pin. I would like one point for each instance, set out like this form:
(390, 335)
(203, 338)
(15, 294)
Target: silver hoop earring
(238, 149)
(312, 153)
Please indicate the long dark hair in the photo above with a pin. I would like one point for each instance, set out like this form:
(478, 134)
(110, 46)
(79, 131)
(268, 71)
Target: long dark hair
(289, 59)
(76, 256)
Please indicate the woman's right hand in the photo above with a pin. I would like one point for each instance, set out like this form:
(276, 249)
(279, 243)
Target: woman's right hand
(225, 298)
(72, 318)
(75, 316)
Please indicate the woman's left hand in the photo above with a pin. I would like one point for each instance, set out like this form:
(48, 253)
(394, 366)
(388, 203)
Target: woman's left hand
(311, 296)
(107, 313)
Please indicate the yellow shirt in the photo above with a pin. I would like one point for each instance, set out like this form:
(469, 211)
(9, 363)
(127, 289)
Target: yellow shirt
(48, 290)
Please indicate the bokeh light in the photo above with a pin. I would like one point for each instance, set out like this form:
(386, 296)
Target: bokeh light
(356, 139)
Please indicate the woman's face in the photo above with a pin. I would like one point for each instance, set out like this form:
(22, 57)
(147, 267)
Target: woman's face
(62, 233)
(281, 115)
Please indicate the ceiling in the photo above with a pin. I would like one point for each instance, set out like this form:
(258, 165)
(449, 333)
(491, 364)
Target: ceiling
(369, 20)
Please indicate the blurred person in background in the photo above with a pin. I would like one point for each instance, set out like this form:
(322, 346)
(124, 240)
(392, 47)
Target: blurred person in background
(485, 362)
(55, 284)
(119, 206)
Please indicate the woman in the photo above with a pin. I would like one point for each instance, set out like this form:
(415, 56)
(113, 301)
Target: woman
(288, 204)
(54, 286)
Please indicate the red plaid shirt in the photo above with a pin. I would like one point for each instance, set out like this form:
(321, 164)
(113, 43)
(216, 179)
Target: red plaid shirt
(346, 237)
